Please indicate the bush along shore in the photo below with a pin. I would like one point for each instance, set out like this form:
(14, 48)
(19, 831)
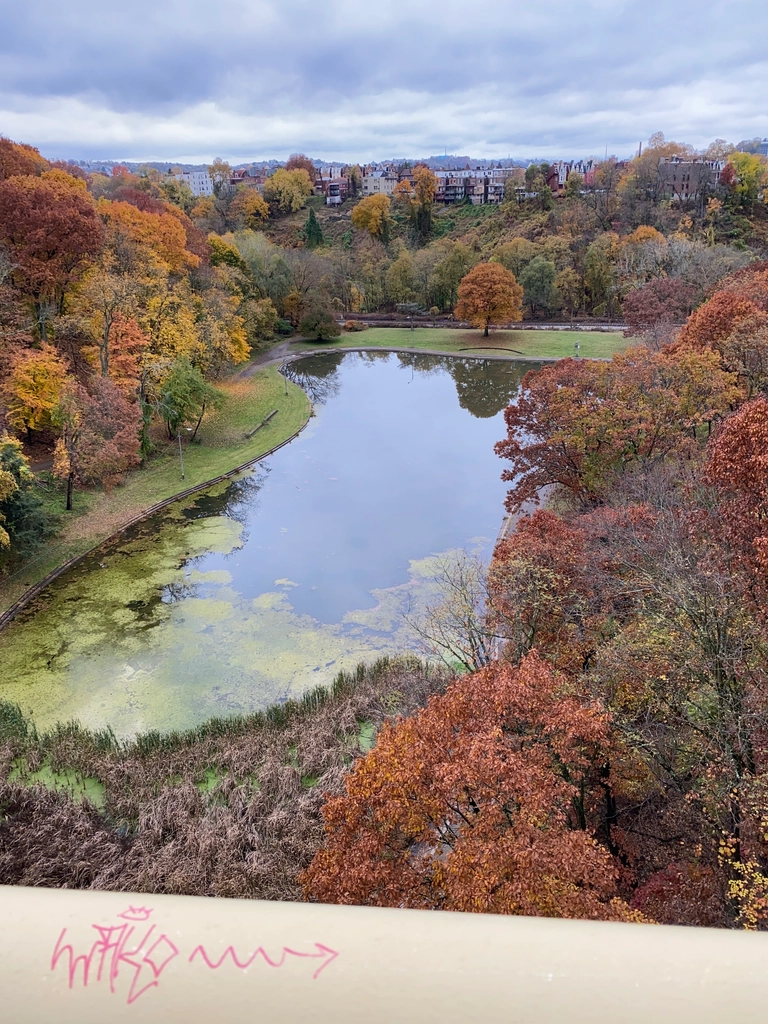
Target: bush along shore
(231, 808)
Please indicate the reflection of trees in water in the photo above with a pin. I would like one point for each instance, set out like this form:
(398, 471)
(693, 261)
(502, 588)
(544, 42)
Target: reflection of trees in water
(236, 502)
(425, 365)
(318, 376)
(484, 386)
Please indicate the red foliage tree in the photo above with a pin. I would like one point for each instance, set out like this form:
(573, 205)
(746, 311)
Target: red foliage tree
(99, 434)
(540, 593)
(665, 300)
(298, 161)
(141, 200)
(128, 343)
(577, 423)
(52, 230)
(475, 804)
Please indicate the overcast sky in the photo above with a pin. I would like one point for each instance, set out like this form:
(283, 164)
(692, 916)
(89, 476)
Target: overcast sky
(341, 79)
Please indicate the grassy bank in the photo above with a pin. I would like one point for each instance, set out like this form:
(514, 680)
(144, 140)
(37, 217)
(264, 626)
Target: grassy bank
(231, 808)
(223, 445)
(514, 344)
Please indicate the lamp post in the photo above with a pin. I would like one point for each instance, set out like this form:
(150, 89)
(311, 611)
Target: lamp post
(577, 346)
(181, 457)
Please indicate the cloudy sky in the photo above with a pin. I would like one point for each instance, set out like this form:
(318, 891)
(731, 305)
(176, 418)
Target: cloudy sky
(338, 79)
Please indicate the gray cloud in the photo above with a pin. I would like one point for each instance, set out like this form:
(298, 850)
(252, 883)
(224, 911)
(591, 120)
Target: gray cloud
(171, 79)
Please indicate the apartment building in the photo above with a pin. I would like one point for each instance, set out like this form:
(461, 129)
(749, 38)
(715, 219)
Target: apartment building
(480, 185)
(379, 183)
(199, 182)
(687, 179)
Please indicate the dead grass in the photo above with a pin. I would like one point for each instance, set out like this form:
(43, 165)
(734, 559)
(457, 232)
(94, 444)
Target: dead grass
(232, 808)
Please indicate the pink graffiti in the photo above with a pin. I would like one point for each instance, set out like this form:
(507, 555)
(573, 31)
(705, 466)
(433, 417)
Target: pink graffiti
(323, 953)
(117, 954)
(110, 952)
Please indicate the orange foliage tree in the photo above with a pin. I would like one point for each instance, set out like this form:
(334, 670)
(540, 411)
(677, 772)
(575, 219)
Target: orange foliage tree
(159, 235)
(20, 158)
(711, 323)
(247, 209)
(737, 465)
(489, 294)
(475, 804)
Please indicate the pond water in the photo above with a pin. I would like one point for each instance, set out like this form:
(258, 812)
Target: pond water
(263, 587)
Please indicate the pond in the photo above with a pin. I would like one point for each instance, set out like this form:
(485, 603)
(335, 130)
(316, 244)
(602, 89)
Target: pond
(313, 561)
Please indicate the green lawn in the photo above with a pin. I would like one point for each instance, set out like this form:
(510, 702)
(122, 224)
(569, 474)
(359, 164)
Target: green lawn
(223, 446)
(517, 344)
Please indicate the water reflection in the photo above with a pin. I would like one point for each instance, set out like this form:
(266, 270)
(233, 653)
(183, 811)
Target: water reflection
(262, 587)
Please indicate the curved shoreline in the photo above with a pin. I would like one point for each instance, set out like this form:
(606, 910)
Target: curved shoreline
(29, 595)
(281, 354)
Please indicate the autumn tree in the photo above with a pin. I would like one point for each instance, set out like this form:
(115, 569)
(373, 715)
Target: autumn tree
(749, 174)
(712, 323)
(298, 161)
(157, 238)
(449, 272)
(425, 187)
(128, 350)
(577, 423)
(106, 297)
(475, 804)
(248, 209)
(372, 215)
(570, 288)
(99, 434)
(287, 191)
(52, 231)
(738, 467)
(489, 294)
(662, 302)
(20, 158)
(33, 390)
(220, 172)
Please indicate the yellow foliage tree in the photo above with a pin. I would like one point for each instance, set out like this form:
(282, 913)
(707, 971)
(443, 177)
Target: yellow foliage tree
(34, 387)
(288, 191)
(248, 209)
(372, 215)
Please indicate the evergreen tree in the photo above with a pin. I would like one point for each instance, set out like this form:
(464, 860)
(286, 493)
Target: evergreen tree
(313, 233)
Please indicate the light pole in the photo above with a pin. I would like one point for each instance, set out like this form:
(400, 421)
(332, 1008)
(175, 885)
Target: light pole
(181, 457)
(577, 346)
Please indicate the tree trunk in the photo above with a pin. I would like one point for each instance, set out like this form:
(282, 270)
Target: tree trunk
(104, 353)
(197, 425)
(70, 481)
(485, 332)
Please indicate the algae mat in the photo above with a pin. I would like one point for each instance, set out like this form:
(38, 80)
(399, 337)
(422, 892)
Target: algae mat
(259, 589)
